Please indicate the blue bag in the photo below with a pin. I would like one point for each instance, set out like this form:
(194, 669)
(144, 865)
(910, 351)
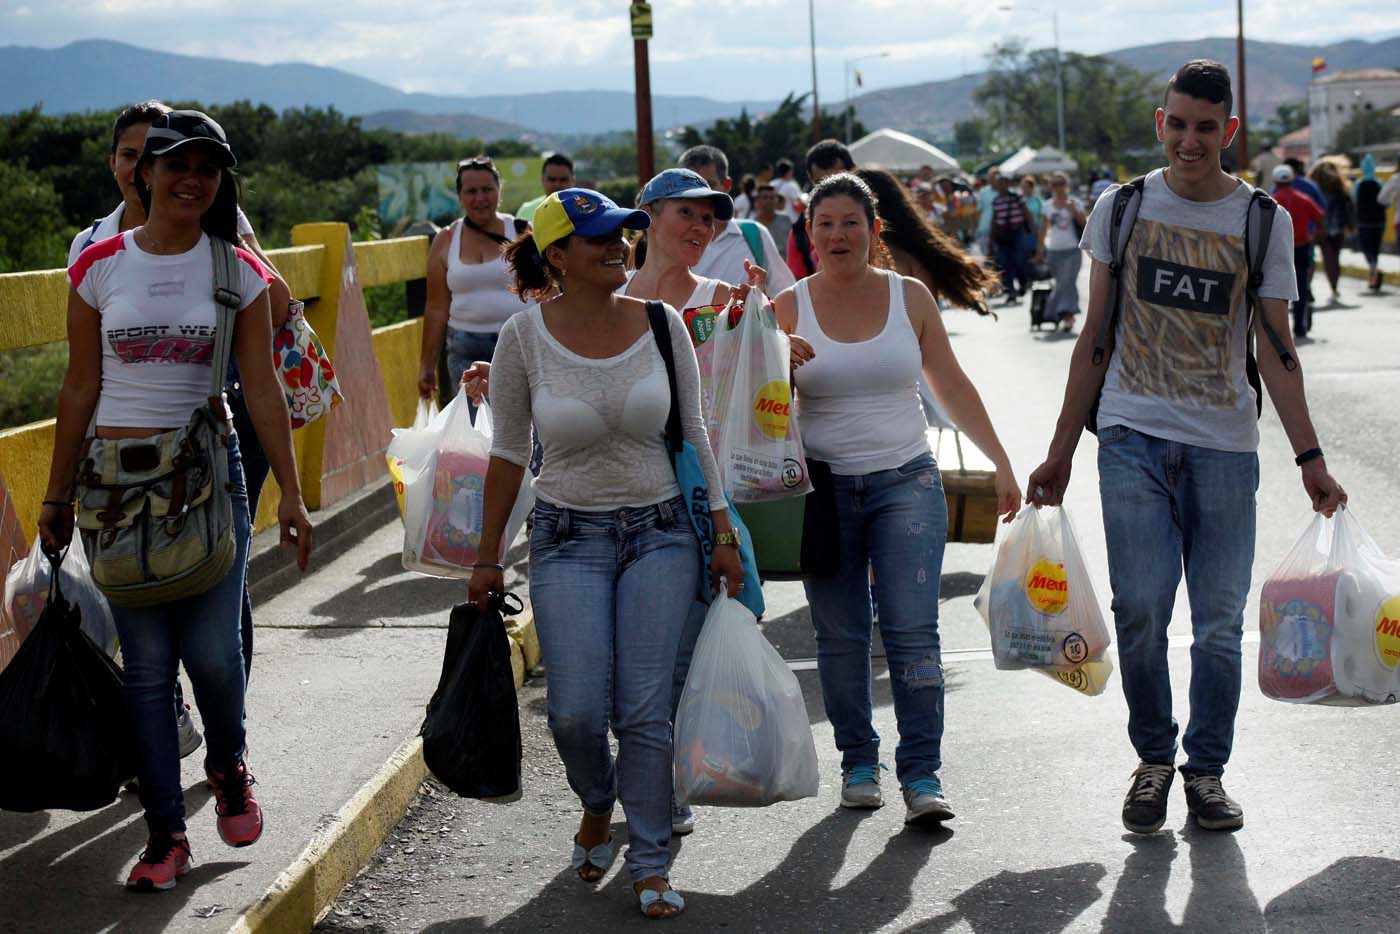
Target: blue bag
(696, 490)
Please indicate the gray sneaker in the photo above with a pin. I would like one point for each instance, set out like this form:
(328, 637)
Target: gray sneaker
(682, 819)
(925, 802)
(860, 787)
(190, 737)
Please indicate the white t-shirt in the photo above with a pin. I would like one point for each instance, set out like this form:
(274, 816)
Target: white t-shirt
(111, 225)
(158, 325)
(792, 194)
(1178, 366)
(1060, 235)
(724, 259)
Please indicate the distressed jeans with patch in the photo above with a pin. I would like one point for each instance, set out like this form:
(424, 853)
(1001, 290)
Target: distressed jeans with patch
(894, 522)
(1169, 506)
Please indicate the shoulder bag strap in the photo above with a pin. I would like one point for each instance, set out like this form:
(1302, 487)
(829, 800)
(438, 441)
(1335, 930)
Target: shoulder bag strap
(754, 239)
(1258, 231)
(661, 330)
(1126, 202)
(228, 300)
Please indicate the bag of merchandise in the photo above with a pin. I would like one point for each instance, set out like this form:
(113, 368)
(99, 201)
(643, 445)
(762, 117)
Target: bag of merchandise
(1329, 619)
(741, 733)
(27, 593)
(1040, 603)
(427, 411)
(753, 429)
(444, 491)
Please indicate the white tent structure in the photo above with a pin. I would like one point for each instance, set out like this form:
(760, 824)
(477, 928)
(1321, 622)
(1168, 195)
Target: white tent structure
(1031, 161)
(899, 152)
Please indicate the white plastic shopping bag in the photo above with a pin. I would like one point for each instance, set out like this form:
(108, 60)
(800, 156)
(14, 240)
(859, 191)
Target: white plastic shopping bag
(741, 734)
(1040, 603)
(427, 411)
(753, 427)
(1329, 619)
(27, 592)
(444, 471)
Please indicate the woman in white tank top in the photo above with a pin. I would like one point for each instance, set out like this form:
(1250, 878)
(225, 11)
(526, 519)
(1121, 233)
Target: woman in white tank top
(469, 286)
(869, 334)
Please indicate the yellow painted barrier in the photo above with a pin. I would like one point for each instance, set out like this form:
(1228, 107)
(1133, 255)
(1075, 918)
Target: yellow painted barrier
(384, 262)
(25, 453)
(35, 308)
(398, 347)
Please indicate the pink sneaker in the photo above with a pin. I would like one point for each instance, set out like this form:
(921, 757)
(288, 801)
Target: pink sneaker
(163, 861)
(240, 818)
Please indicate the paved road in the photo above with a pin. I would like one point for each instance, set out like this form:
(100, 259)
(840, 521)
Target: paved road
(1036, 772)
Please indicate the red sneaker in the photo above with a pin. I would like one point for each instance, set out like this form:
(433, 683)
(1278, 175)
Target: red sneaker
(164, 860)
(240, 818)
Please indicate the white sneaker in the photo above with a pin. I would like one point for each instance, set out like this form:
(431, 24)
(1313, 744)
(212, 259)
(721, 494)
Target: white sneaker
(682, 819)
(190, 737)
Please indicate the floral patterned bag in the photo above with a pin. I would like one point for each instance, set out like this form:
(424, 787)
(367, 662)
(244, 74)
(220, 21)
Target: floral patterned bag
(306, 372)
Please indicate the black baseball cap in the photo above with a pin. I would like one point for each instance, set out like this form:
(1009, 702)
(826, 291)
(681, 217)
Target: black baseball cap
(178, 127)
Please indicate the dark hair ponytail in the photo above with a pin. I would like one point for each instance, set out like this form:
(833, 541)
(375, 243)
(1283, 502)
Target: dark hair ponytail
(221, 220)
(535, 277)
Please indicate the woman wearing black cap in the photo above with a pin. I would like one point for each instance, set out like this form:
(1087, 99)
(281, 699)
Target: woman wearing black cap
(614, 560)
(142, 331)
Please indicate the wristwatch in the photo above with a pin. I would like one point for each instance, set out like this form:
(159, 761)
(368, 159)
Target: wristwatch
(732, 537)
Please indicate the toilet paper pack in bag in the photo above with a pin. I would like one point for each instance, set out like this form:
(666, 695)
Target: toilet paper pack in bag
(1040, 604)
(1329, 619)
(753, 428)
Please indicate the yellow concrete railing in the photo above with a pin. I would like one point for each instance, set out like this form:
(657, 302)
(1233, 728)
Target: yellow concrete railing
(33, 312)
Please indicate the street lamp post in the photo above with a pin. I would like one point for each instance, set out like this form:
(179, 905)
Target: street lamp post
(850, 65)
(812, 38)
(1059, 74)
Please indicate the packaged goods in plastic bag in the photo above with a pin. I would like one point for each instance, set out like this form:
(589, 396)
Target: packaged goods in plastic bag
(27, 593)
(63, 726)
(757, 447)
(1329, 619)
(741, 733)
(427, 411)
(1089, 679)
(1040, 603)
(444, 470)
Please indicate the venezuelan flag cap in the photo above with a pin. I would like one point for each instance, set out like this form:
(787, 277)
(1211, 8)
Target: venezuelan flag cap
(582, 211)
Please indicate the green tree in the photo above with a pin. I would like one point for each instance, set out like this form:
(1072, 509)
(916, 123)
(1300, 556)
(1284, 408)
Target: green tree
(971, 137)
(1291, 116)
(1108, 105)
(1367, 128)
(786, 132)
(33, 233)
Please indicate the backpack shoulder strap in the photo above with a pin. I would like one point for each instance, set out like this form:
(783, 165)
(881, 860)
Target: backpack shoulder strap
(1258, 231)
(91, 237)
(754, 238)
(228, 300)
(1126, 202)
(661, 331)
(521, 225)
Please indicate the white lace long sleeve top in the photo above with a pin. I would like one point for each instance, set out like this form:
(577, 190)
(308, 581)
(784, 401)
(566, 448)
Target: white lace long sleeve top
(601, 423)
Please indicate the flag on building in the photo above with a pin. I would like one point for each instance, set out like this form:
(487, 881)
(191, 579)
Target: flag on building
(859, 82)
(1318, 64)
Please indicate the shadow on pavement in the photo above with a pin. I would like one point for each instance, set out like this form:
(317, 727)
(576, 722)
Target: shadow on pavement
(1043, 901)
(1220, 898)
(1346, 896)
(367, 600)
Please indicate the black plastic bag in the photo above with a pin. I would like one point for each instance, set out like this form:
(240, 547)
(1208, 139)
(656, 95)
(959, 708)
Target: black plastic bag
(62, 723)
(471, 735)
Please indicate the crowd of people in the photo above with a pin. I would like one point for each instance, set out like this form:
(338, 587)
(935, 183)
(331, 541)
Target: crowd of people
(575, 318)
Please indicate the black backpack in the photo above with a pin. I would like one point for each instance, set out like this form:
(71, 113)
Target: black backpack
(1258, 228)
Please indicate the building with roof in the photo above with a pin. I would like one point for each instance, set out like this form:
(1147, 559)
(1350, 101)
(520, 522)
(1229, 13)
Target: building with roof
(1333, 99)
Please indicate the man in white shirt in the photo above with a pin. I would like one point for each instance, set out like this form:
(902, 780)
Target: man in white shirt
(724, 257)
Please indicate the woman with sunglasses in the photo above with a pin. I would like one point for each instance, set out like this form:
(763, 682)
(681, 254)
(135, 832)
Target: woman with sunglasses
(469, 286)
(1060, 227)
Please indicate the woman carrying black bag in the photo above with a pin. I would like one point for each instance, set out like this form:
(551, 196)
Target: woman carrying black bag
(144, 339)
(615, 563)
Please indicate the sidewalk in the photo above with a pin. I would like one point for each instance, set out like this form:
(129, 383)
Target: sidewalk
(344, 663)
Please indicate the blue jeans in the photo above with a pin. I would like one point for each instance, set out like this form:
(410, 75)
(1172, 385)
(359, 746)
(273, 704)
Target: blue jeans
(611, 591)
(463, 349)
(1166, 506)
(894, 522)
(1011, 260)
(203, 632)
(255, 471)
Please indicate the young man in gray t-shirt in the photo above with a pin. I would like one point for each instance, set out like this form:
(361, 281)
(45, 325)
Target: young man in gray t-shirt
(1178, 468)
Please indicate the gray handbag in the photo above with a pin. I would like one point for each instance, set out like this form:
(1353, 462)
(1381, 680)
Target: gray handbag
(155, 513)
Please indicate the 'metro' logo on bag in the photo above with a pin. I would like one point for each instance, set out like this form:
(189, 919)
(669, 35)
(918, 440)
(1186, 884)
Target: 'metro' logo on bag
(1047, 588)
(772, 405)
(1388, 632)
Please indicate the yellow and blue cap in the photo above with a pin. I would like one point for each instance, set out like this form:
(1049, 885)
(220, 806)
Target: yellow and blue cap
(584, 212)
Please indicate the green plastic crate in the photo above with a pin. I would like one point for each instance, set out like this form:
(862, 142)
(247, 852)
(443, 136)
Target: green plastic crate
(775, 526)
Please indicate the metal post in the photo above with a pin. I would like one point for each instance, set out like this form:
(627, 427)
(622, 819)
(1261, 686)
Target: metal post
(1243, 131)
(816, 105)
(1059, 81)
(646, 156)
(847, 73)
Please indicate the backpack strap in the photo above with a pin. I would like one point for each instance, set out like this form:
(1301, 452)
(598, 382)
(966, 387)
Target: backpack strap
(754, 238)
(661, 330)
(521, 225)
(91, 237)
(1258, 231)
(228, 301)
(1126, 202)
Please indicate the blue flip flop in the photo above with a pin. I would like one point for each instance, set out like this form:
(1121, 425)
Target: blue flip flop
(648, 897)
(600, 857)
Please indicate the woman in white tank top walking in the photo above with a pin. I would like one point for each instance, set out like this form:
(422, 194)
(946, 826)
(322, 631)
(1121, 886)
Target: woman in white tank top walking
(869, 334)
(469, 286)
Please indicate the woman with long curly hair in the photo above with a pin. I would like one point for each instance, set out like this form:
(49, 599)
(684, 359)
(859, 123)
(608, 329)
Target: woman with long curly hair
(915, 248)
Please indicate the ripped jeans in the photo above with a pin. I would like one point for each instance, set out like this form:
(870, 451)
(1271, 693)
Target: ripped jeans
(896, 522)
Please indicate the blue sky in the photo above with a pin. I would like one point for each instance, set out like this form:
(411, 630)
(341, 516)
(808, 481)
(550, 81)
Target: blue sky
(728, 49)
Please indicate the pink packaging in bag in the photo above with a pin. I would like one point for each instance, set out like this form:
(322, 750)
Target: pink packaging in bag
(1296, 622)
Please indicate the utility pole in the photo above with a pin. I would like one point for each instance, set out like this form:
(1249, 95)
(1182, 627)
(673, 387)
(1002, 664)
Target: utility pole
(816, 105)
(1059, 81)
(1244, 107)
(641, 33)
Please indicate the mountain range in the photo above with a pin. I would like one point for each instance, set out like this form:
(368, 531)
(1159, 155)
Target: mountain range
(61, 80)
